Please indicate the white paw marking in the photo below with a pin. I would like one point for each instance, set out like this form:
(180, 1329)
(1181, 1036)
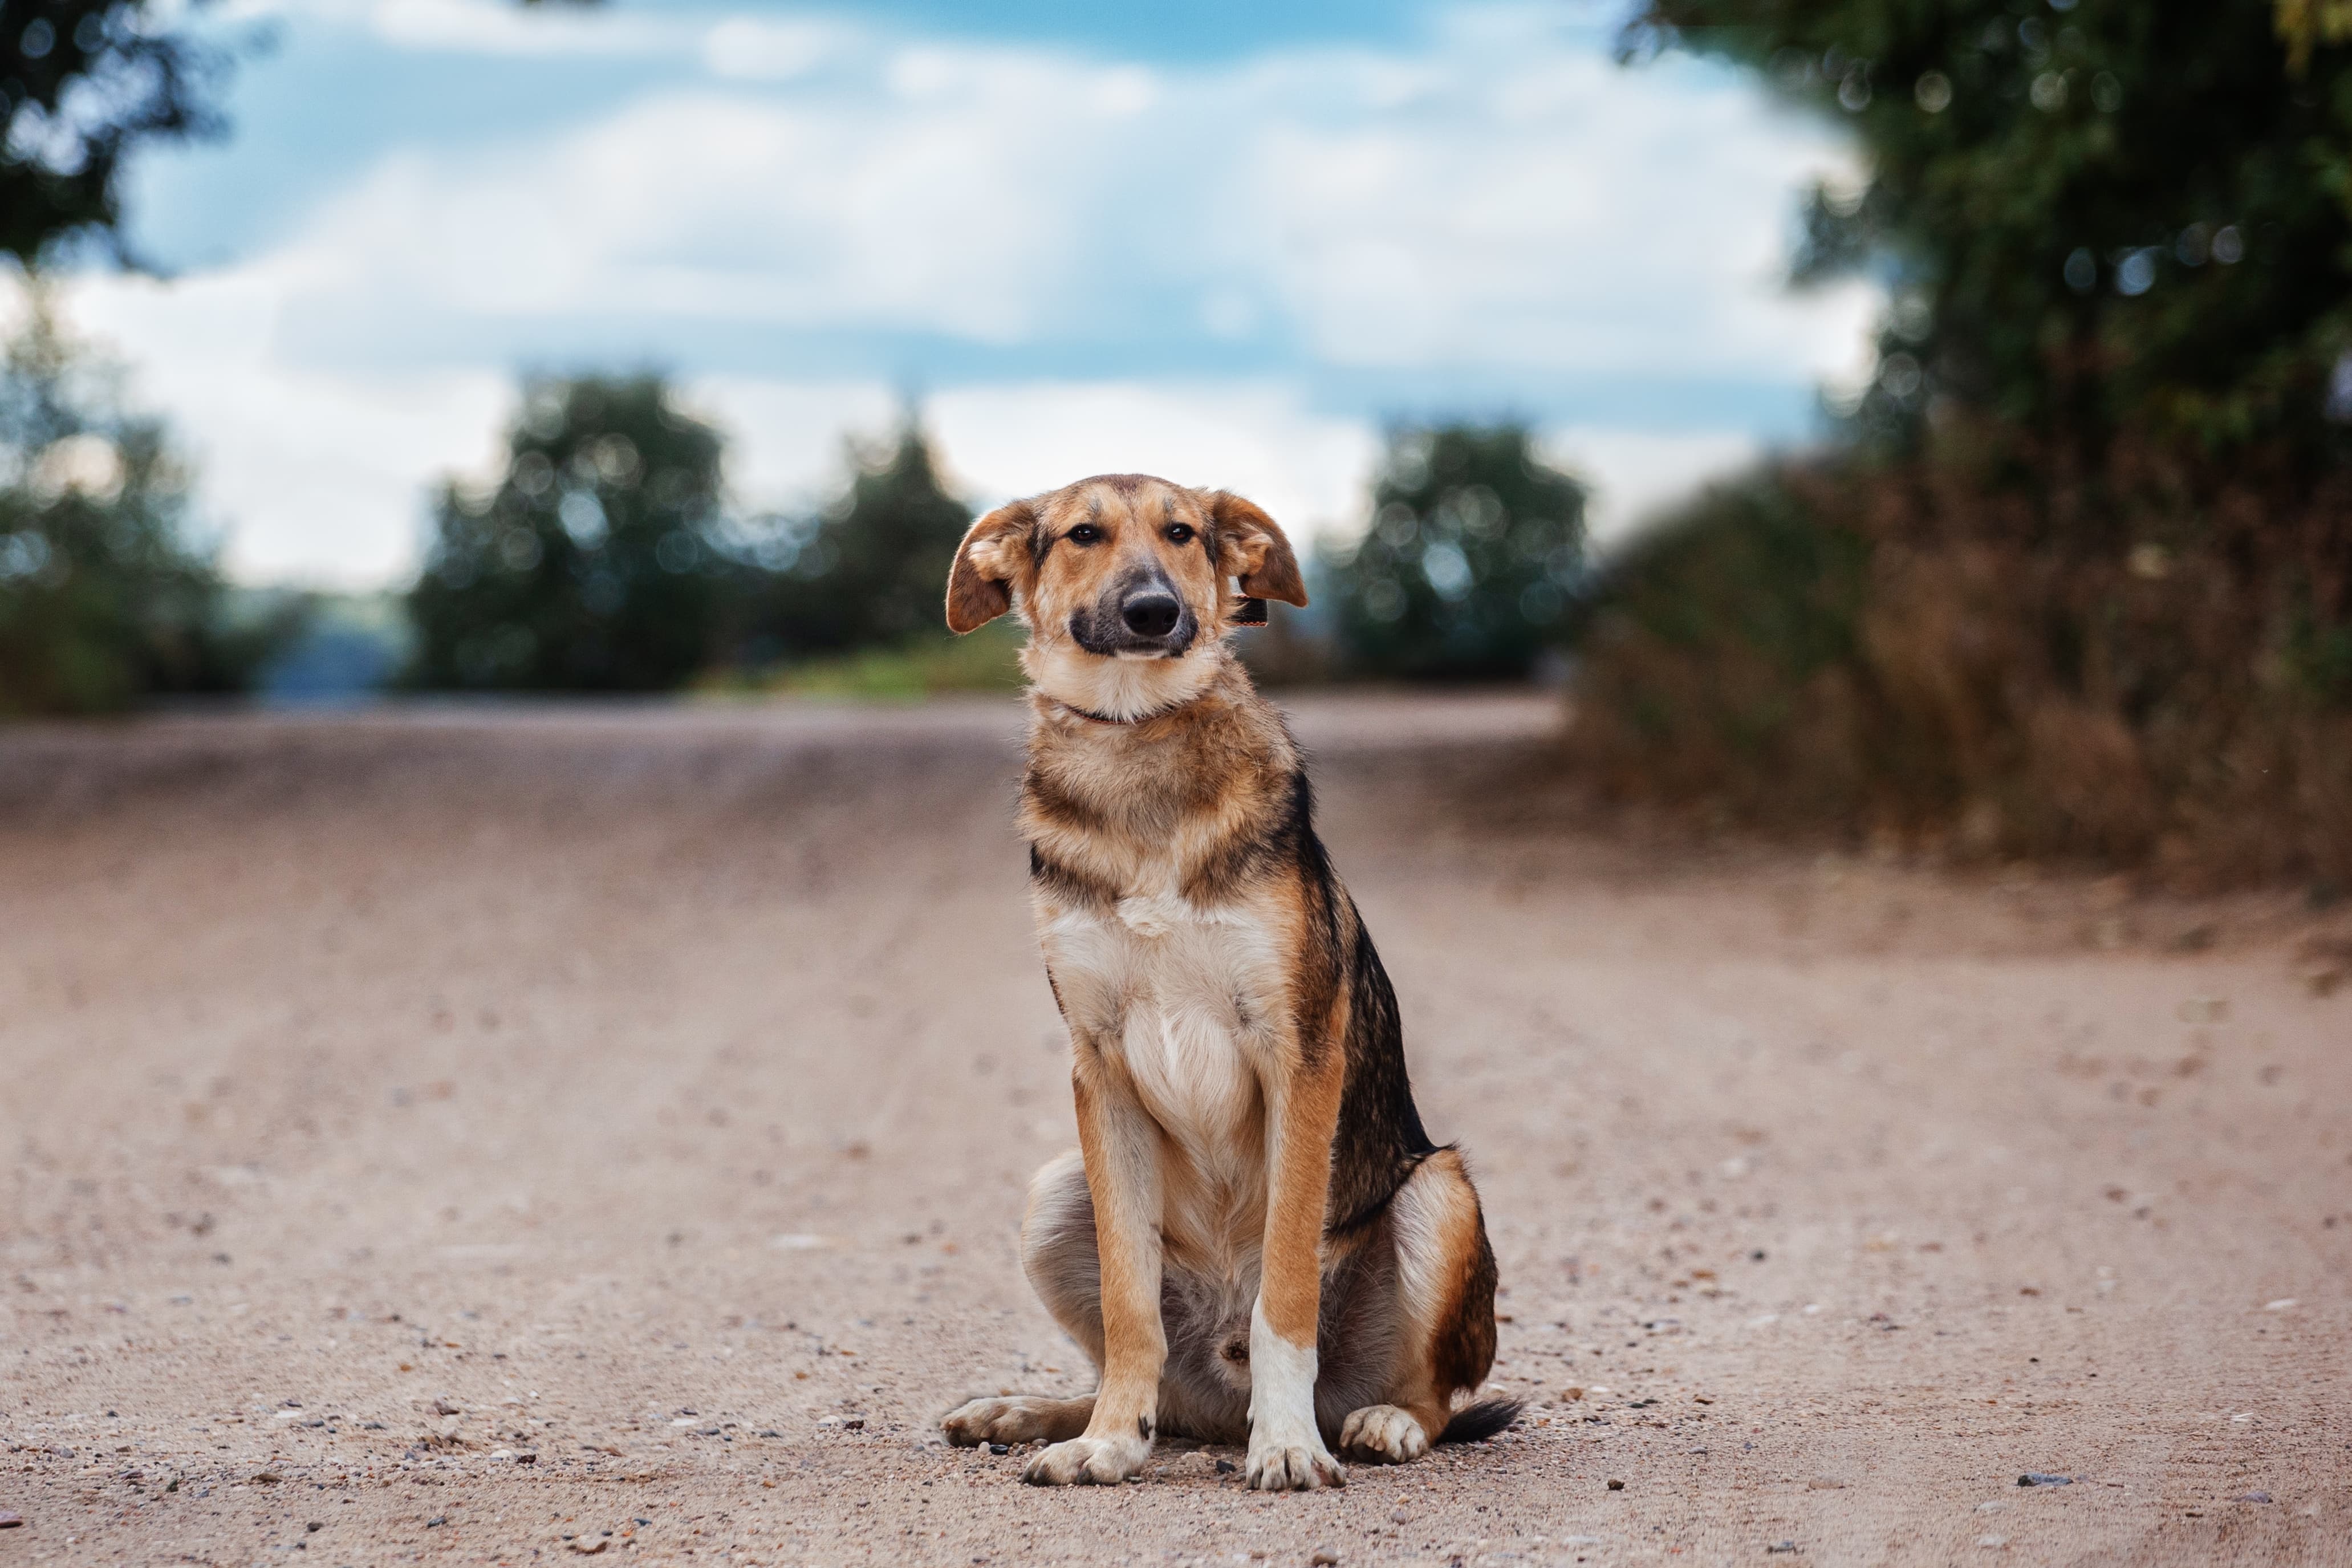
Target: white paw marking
(1384, 1434)
(1286, 1449)
(1278, 1467)
(1087, 1462)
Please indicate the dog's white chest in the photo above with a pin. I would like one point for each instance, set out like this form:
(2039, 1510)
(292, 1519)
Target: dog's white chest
(1180, 994)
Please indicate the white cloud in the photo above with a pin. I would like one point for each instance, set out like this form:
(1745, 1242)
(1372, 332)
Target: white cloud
(1542, 206)
(785, 438)
(1636, 473)
(1514, 200)
(1001, 441)
(764, 48)
(319, 475)
(1260, 440)
(1504, 201)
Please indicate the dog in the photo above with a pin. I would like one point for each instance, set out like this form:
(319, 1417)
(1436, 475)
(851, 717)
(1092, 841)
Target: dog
(1255, 1239)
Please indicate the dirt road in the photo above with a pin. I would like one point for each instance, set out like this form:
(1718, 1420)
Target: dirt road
(498, 1136)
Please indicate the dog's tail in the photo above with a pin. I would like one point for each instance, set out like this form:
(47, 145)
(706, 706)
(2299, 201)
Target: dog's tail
(1477, 1423)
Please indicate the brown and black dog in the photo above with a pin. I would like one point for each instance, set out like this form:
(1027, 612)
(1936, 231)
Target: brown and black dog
(1255, 1237)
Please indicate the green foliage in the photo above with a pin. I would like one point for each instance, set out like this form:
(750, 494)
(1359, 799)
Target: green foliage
(82, 83)
(866, 571)
(593, 564)
(104, 599)
(1466, 571)
(2097, 215)
(2083, 584)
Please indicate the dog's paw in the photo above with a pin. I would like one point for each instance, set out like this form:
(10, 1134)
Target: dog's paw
(1022, 1418)
(1087, 1462)
(1298, 1464)
(1384, 1435)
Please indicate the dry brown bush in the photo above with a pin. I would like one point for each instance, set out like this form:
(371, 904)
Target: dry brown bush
(2001, 651)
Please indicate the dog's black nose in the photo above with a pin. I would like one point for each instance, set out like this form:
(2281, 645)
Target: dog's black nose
(1150, 615)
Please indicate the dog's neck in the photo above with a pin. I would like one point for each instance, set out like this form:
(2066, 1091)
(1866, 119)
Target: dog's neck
(1124, 690)
(1123, 751)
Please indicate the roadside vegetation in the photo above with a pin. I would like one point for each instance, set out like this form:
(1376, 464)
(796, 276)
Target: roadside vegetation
(2076, 577)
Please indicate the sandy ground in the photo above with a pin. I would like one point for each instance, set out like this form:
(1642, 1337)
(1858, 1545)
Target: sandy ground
(488, 1135)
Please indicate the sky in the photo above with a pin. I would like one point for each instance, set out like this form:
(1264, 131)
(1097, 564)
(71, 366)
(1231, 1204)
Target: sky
(1228, 242)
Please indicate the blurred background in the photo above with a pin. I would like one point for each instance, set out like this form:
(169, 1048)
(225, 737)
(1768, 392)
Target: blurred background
(1929, 422)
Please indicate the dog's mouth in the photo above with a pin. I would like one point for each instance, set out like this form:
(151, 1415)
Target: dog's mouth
(1149, 622)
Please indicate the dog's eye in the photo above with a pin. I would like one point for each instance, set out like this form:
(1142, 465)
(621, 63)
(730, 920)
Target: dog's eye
(1084, 533)
(1180, 534)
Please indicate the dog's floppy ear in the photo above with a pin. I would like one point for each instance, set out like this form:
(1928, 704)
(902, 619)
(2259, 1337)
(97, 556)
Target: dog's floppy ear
(993, 556)
(1251, 547)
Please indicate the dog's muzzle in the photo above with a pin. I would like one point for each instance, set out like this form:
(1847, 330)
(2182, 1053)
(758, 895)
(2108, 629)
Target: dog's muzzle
(1145, 617)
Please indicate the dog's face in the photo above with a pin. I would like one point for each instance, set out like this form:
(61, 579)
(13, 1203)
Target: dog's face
(1120, 570)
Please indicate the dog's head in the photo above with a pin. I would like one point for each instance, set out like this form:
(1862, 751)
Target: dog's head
(1123, 581)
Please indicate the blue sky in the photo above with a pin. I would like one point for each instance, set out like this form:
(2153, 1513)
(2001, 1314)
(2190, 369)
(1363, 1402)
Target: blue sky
(1223, 241)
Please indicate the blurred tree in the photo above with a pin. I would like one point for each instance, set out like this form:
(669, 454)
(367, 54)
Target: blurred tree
(869, 569)
(83, 82)
(1465, 572)
(104, 598)
(2093, 213)
(594, 563)
(2083, 584)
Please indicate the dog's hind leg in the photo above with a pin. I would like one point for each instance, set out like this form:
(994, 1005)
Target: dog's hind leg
(1057, 1253)
(1017, 1419)
(1445, 1288)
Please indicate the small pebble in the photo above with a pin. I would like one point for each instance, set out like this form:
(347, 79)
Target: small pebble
(1780, 1546)
(12, 1521)
(2038, 1479)
(1324, 1557)
(1992, 1542)
(1616, 1486)
(1225, 1466)
(1400, 1516)
(999, 1448)
(2255, 1497)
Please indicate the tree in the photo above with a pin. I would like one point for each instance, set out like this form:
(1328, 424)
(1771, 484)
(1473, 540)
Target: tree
(1465, 572)
(594, 563)
(2081, 583)
(83, 83)
(2095, 213)
(868, 568)
(105, 598)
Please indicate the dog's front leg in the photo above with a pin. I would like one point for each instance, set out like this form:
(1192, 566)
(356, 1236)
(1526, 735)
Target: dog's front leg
(1286, 1448)
(1121, 1146)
